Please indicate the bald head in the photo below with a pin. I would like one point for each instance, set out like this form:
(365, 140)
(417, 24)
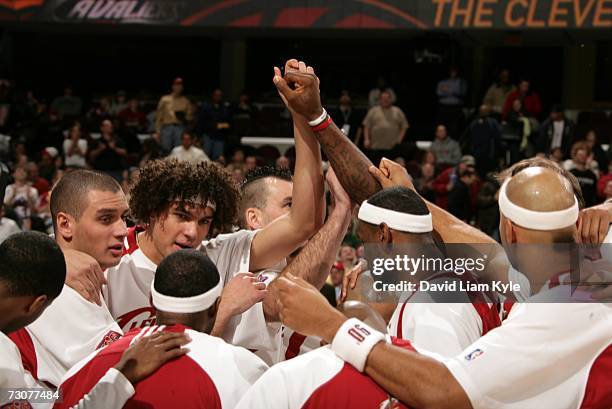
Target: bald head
(365, 313)
(540, 189)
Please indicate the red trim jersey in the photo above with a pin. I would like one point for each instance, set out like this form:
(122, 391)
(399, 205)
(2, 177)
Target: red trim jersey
(127, 292)
(445, 328)
(544, 355)
(112, 390)
(318, 379)
(213, 374)
(67, 331)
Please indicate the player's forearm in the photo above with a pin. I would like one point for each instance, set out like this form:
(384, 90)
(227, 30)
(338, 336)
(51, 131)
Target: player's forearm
(221, 321)
(418, 381)
(314, 261)
(349, 163)
(453, 230)
(308, 203)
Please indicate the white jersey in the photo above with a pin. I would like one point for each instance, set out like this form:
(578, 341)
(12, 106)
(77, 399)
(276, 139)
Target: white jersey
(445, 328)
(67, 331)
(545, 355)
(111, 391)
(129, 284)
(213, 374)
(318, 379)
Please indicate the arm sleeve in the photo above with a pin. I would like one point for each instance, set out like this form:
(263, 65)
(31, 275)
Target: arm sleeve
(269, 392)
(112, 391)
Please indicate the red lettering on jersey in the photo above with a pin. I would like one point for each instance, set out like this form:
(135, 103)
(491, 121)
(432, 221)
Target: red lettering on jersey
(17, 405)
(109, 338)
(129, 320)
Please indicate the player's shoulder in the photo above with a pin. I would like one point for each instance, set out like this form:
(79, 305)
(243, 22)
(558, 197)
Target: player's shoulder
(317, 361)
(229, 238)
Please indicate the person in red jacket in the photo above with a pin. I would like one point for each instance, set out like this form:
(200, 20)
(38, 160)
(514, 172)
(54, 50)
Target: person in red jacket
(532, 105)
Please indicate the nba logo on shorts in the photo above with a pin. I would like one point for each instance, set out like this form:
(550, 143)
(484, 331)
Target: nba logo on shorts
(474, 354)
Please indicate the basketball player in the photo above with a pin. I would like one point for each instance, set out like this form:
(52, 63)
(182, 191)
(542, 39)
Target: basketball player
(552, 354)
(32, 276)
(88, 210)
(213, 374)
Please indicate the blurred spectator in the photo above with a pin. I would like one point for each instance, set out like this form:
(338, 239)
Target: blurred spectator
(384, 126)
(150, 151)
(381, 86)
(243, 115)
(447, 150)
(214, 124)
(21, 197)
(451, 95)
(602, 183)
(556, 132)
(173, 113)
(516, 131)
(459, 198)
(607, 190)
(238, 157)
(40, 184)
(67, 105)
(118, 104)
(445, 181)
(347, 255)
(498, 93)
(580, 168)
(336, 276)
(47, 166)
(75, 148)
(237, 173)
(108, 153)
(487, 211)
(100, 112)
(530, 100)
(8, 226)
(5, 102)
(188, 152)
(132, 117)
(597, 151)
(429, 157)
(424, 184)
(283, 162)
(483, 141)
(347, 118)
(556, 155)
(250, 163)
(590, 162)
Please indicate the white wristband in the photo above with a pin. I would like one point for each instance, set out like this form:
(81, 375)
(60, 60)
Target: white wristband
(354, 341)
(319, 120)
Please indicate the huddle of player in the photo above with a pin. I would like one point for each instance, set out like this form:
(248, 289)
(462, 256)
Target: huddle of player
(184, 321)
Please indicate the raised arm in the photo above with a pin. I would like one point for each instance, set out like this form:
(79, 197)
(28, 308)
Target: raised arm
(286, 234)
(314, 261)
(301, 91)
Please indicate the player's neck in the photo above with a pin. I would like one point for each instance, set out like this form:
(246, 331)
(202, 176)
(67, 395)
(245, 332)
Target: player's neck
(146, 245)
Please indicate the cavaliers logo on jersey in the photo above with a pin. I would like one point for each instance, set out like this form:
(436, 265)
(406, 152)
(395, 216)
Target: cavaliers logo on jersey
(390, 403)
(139, 318)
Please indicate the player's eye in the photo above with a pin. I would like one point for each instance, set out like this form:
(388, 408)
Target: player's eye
(204, 222)
(288, 204)
(106, 219)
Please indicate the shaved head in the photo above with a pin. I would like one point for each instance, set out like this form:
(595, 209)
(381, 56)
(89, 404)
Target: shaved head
(540, 189)
(70, 194)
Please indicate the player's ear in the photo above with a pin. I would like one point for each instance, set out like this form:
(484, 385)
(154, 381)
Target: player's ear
(253, 218)
(386, 237)
(508, 231)
(64, 225)
(37, 305)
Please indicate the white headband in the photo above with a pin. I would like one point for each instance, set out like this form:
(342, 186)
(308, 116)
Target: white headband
(531, 219)
(185, 305)
(405, 222)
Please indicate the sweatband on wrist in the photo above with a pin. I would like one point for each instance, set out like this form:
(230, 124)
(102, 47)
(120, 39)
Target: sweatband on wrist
(322, 126)
(318, 120)
(354, 341)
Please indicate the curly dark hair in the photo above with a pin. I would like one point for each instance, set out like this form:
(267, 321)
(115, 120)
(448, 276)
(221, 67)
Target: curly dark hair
(162, 181)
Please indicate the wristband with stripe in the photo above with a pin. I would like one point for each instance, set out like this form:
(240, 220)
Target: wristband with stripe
(320, 119)
(322, 126)
(354, 341)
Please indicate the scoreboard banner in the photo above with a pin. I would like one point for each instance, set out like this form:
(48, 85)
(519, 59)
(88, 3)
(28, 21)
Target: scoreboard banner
(330, 14)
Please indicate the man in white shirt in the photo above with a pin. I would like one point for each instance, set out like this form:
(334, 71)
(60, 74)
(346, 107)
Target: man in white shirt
(31, 277)
(186, 151)
(88, 210)
(7, 226)
(212, 373)
(552, 353)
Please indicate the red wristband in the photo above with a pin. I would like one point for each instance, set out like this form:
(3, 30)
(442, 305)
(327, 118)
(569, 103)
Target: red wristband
(323, 125)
